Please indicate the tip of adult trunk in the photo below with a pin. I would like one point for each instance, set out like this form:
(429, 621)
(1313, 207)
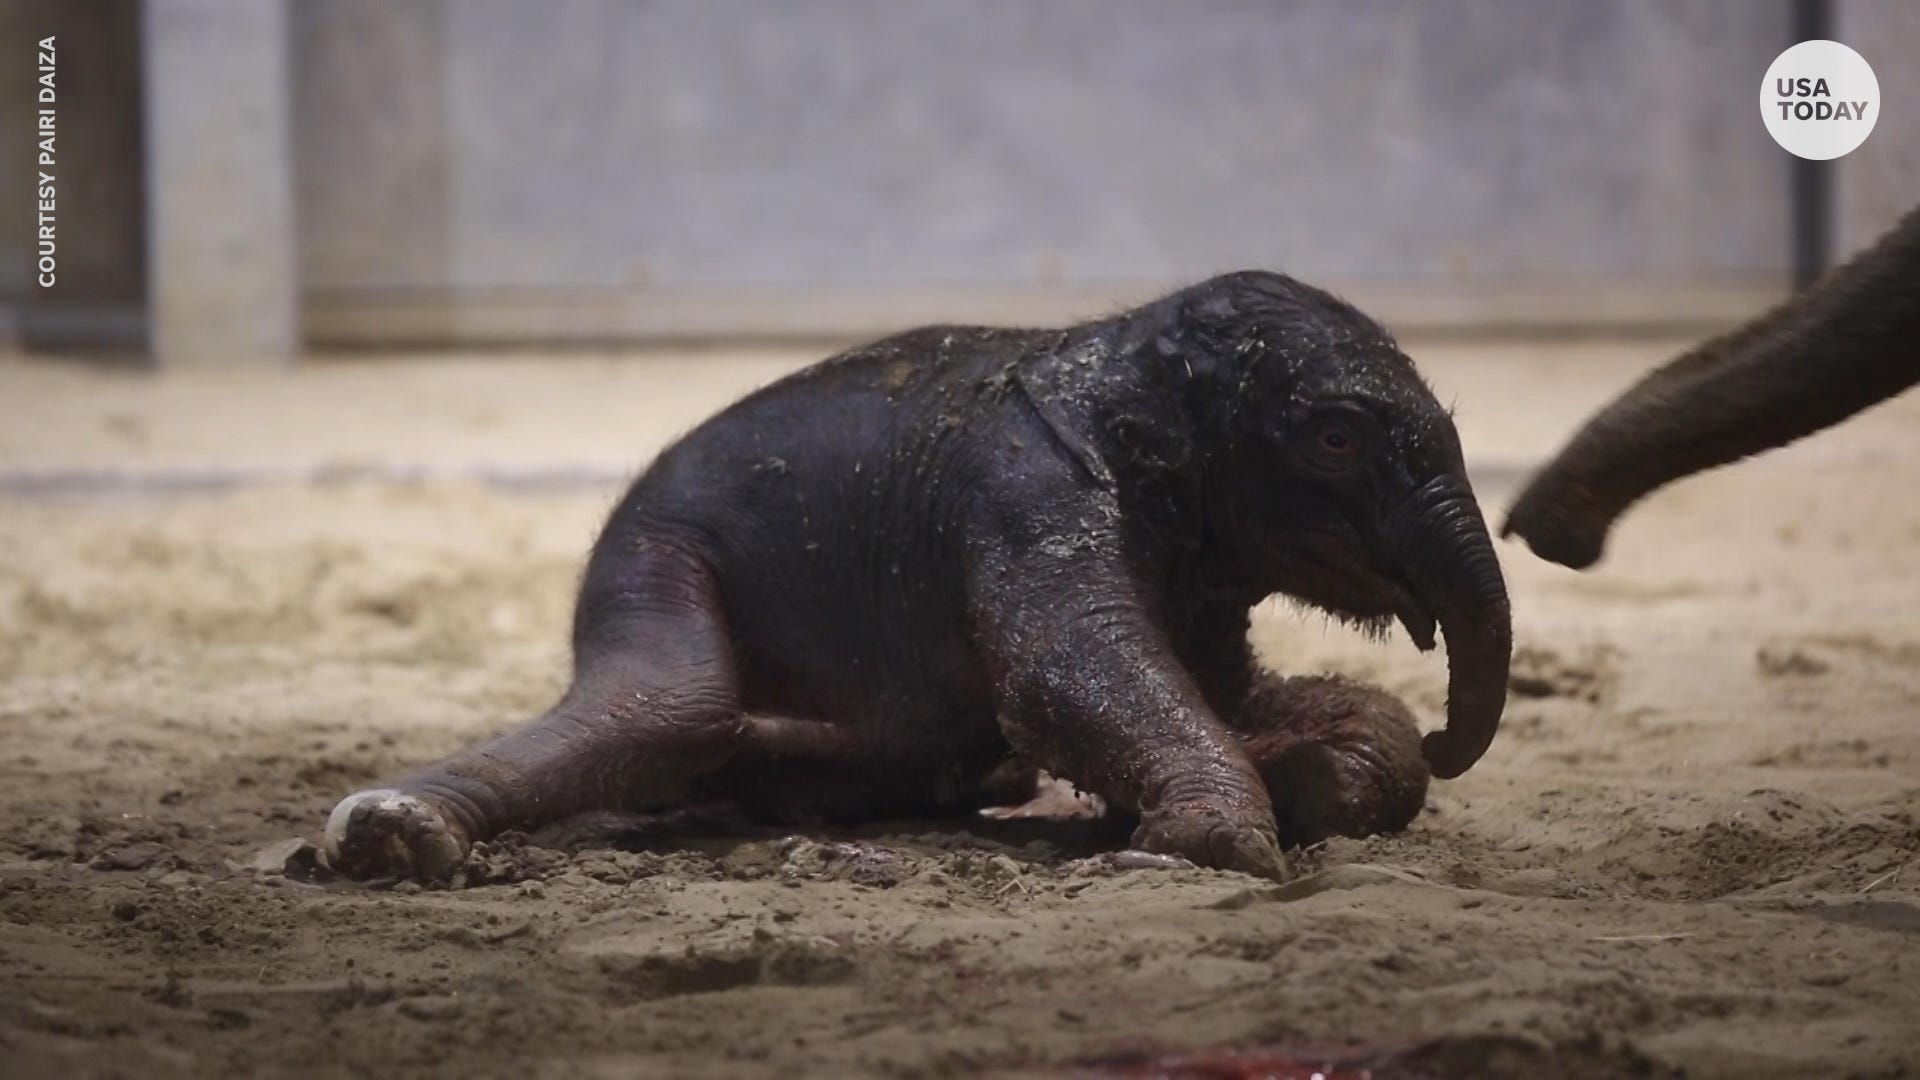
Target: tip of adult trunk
(1556, 526)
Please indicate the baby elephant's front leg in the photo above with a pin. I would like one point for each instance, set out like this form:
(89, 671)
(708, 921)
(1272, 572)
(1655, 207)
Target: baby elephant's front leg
(1091, 691)
(1341, 758)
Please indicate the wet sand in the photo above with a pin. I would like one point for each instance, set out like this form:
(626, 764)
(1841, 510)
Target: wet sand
(227, 601)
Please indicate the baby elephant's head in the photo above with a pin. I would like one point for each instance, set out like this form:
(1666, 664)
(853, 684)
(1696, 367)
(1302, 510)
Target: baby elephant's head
(1341, 482)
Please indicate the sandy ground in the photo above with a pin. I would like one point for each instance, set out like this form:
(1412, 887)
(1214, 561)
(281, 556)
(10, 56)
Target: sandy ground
(226, 601)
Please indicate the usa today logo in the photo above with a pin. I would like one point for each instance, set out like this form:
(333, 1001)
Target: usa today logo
(1820, 100)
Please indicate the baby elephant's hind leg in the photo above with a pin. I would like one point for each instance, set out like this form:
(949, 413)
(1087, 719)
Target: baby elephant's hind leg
(1340, 758)
(654, 705)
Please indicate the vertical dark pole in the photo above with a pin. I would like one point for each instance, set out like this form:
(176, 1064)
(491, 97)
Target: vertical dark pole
(1810, 185)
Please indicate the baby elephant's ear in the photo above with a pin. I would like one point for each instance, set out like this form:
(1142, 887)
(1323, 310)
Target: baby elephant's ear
(1051, 402)
(1150, 446)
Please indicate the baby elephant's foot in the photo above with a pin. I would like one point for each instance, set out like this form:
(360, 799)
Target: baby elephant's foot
(385, 833)
(1211, 837)
(1345, 761)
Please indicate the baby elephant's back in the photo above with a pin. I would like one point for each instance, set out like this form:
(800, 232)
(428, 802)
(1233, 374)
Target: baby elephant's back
(830, 504)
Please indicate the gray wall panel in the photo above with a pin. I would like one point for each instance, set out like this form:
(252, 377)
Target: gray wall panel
(1880, 181)
(221, 239)
(848, 144)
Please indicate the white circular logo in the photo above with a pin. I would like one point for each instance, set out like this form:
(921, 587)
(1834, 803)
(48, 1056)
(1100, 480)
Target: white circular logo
(1820, 100)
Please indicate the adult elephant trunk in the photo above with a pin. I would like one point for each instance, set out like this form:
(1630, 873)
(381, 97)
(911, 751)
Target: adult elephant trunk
(1455, 576)
(1849, 341)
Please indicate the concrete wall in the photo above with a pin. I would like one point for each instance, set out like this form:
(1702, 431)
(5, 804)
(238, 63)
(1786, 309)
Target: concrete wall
(221, 245)
(440, 171)
(603, 168)
(1880, 181)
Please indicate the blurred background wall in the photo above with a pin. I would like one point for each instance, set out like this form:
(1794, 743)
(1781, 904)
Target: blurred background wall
(244, 177)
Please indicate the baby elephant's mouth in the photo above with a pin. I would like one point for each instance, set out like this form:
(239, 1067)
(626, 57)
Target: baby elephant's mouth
(1420, 625)
(1371, 596)
(1360, 593)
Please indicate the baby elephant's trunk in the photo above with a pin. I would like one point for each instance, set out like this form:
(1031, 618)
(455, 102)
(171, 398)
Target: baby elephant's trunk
(1450, 563)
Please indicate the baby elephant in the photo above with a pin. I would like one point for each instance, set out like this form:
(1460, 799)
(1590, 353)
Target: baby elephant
(902, 581)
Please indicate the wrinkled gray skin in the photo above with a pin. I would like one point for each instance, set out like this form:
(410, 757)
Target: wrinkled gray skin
(902, 580)
(1850, 341)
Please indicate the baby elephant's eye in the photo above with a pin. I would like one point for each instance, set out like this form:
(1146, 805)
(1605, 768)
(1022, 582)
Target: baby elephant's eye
(1333, 444)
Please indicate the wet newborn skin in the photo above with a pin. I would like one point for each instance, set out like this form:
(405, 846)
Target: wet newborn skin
(906, 579)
